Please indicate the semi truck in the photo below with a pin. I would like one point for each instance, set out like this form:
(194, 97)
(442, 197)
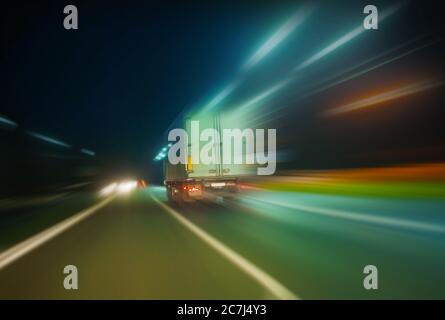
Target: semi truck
(193, 181)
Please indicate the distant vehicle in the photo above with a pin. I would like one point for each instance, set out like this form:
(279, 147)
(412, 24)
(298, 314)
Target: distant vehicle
(197, 181)
(141, 184)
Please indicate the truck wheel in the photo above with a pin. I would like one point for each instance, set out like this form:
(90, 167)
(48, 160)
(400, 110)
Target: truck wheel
(169, 194)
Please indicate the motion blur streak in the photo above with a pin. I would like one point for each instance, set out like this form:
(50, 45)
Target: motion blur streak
(108, 189)
(4, 120)
(253, 271)
(324, 52)
(283, 32)
(339, 78)
(222, 95)
(345, 39)
(362, 217)
(261, 97)
(88, 152)
(21, 249)
(48, 139)
(321, 88)
(369, 69)
(386, 96)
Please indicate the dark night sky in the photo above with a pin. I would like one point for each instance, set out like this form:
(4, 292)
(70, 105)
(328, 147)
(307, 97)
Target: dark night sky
(115, 84)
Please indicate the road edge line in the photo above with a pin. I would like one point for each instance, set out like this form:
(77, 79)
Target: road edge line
(357, 216)
(19, 250)
(267, 281)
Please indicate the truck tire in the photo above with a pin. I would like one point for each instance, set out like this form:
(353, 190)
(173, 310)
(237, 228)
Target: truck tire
(169, 194)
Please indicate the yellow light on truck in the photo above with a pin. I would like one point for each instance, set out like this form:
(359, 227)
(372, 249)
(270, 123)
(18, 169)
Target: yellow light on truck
(189, 166)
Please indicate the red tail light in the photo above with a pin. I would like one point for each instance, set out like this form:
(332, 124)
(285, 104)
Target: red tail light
(191, 188)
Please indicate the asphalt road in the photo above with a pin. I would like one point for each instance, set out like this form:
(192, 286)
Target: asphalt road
(265, 245)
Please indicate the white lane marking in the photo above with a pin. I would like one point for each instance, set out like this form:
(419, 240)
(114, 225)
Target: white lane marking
(16, 252)
(267, 281)
(357, 216)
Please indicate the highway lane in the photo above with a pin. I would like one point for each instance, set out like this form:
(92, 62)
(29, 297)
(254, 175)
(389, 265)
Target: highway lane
(133, 248)
(319, 256)
(22, 218)
(129, 249)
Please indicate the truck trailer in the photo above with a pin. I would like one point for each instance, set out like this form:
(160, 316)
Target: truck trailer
(194, 180)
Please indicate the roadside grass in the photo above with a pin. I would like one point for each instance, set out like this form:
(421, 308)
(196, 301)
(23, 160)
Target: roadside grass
(393, 189)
